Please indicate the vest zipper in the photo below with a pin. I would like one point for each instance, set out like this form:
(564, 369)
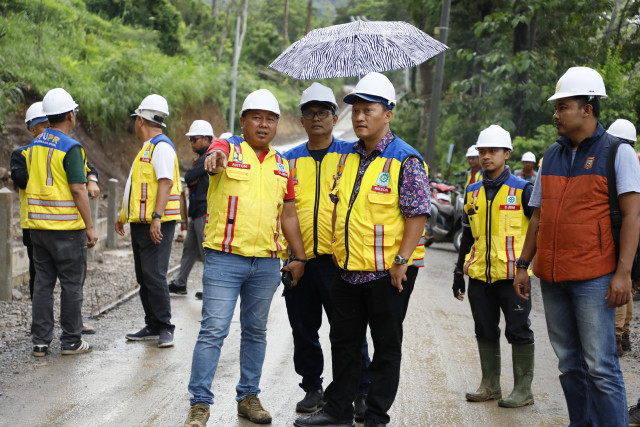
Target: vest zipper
(488, 240)
(315, 209)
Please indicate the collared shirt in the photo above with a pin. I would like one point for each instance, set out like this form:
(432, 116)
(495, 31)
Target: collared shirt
(413, 195)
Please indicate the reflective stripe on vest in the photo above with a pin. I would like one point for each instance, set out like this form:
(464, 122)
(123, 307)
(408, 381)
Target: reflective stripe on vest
(244, 203)
(48, 198)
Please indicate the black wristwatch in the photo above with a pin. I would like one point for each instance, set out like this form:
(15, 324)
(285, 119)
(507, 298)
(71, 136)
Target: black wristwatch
(293, 258)
(400, 260)
(520, 263)
(155, 215)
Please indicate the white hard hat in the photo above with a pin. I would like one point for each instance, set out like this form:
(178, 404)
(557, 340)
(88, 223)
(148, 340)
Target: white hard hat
(153, 108)
(57, 101)
(494, 137)
(225, 135)
(35, 115)
(374, 87)
(261, 99)
(200, 128)
(578, 81)
(318, 93)
(472, 151)
(528, 157)
(623, 129)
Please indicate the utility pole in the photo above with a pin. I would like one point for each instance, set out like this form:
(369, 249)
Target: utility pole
(437, 85)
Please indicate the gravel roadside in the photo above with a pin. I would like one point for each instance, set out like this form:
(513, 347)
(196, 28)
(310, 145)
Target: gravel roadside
(110, 276)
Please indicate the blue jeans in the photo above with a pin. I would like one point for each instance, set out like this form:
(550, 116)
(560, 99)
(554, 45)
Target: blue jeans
(582, 334)
(227, 276)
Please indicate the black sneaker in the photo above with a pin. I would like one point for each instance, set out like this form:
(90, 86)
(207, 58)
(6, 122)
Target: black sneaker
(77, 348)
(40, 350)
(144, 334)
(165, 339)
(312, 402)
(198, 295)
(634, 416)
(359, 408)
(175, 289)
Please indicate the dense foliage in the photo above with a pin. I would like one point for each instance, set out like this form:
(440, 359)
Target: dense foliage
(504, 60)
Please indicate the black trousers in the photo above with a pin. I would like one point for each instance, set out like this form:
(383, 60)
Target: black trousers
(486, 300)
(58, 255)
(383, 308)
(151, 263)
(304, 308)
(26, 240)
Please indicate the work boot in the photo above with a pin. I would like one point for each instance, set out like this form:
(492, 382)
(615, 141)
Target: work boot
(312, 401)
(522, 356)
(619, 346)
(251, 408)
(198, 415)
(634, 415)
(626, 342)
(490, 364)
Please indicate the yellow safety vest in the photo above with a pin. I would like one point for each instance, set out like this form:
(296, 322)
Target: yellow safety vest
(144, 187)
(50, 204)
(369, 232)
(313, 181)
(495, 250)
(244, 203)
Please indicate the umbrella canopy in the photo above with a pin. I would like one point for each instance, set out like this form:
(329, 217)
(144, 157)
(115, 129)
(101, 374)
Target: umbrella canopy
(356, 49)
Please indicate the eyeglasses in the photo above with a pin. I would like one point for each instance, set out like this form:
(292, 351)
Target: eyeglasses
(193, 139)
(76, 110)
(310, 115)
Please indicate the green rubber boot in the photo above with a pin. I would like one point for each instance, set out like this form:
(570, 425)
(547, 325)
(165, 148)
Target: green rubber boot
(490, 363)
(521, 395)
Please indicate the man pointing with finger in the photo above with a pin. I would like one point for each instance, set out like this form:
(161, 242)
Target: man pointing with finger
(582, 278)
(250, 199)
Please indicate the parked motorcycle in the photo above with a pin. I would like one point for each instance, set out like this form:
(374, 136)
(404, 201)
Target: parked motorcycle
(445, 224)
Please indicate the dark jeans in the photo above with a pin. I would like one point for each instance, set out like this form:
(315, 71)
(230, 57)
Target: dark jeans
(152, 262)
(192, 249)
(304, 307)
(486, 300)
(383, 308)
(26, 240)
(58, 255)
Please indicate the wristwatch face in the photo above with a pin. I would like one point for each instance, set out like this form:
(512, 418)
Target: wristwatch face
(400, 260)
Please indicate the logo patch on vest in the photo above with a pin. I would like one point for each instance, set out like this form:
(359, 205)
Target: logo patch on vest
(379, 189)
(282, 170)
(146, 157)
(589, 163)
(239, 165)
(383, 179)
(511, 200)
(509, 207)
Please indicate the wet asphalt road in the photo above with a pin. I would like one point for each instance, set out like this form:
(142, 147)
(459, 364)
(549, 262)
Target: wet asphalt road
(138, 384)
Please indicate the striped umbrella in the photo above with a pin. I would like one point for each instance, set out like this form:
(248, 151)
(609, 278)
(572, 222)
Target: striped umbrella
(355, 49)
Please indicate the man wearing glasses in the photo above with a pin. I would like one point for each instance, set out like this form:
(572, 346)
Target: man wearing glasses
(314, 166)
(200, 136)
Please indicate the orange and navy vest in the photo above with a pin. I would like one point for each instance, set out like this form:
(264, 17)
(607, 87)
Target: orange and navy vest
(368, 232)
(574, 236)
(144, 188)
(245, 203)
(499, 227)
(313, 181)
(50, 204)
